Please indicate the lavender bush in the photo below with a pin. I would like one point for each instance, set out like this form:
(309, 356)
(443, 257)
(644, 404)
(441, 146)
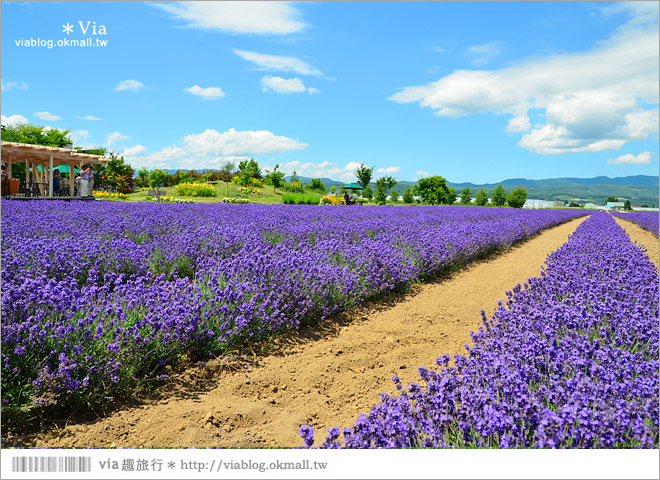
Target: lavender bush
(647, 220)
(571, 361)
(97, 297)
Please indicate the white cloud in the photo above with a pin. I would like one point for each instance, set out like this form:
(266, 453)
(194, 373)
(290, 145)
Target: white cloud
(482, 54)
(593, 100)
(115, 137)
(48, 116)
(278, 63)
(233, 142)
(423, 174)
(209, 93)
(13, 120)
(132, 85)
(13, 86)
(320, 170)
(644, 157)
(211, 148)
(133, 151)
(312, 90)
(388, 170)
(88, 117)
(78, 135)
(263, 18)
(285, 85)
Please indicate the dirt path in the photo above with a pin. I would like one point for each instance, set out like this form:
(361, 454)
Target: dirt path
(642, 237)
(324, 376)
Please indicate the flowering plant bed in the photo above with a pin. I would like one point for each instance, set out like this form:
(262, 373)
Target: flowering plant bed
(96, 299)
(571, 361)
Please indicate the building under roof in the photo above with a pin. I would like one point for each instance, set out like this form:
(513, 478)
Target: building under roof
(40, 162)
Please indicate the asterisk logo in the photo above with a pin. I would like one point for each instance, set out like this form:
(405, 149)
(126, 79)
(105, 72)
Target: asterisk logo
(68, 28)
(171, 465)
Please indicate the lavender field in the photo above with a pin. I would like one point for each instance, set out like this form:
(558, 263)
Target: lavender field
(571, 361)
(96, 298)
(647, 220)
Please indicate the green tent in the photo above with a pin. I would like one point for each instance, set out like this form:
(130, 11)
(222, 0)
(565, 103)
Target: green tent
(65, 168)
(352, 186)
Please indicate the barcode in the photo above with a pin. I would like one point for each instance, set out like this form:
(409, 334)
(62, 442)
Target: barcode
(51, 464)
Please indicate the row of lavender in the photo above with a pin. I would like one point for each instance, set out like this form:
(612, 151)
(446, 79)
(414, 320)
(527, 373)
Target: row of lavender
(570, 361)
(97, 297)
(647, 220)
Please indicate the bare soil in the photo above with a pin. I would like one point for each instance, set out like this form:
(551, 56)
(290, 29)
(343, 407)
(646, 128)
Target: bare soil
(323, 375)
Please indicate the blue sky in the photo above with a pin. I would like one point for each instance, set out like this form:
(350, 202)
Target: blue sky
(475, 92)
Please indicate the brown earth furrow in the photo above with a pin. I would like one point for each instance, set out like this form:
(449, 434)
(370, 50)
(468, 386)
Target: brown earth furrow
(324, 375)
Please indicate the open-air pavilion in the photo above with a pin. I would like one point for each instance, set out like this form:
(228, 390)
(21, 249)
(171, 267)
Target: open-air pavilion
(40, 163)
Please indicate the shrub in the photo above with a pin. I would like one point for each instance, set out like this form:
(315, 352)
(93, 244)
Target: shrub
(235, 200)
(195, 190)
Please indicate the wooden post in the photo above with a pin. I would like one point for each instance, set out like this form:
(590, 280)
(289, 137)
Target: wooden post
(9, 166)
(40, 179)
(50, 177)
(71, 179)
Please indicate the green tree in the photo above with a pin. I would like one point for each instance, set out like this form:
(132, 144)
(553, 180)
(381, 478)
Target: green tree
(227, 172)
(466, 196)
(364, 174)
(482, 198)
(434, 190)
(499, 196)
(385, 183)
(332, 189)
(611, 200)
(368, 193)
(517, 197)
(394, 195)
(451, 196)
(156, 180)
(317, 185)
(381, 195)
(36, 135)
(118, 173)
(142, 177)
(408, 196)
(627, 206)
(247, 170)
(276, 178)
